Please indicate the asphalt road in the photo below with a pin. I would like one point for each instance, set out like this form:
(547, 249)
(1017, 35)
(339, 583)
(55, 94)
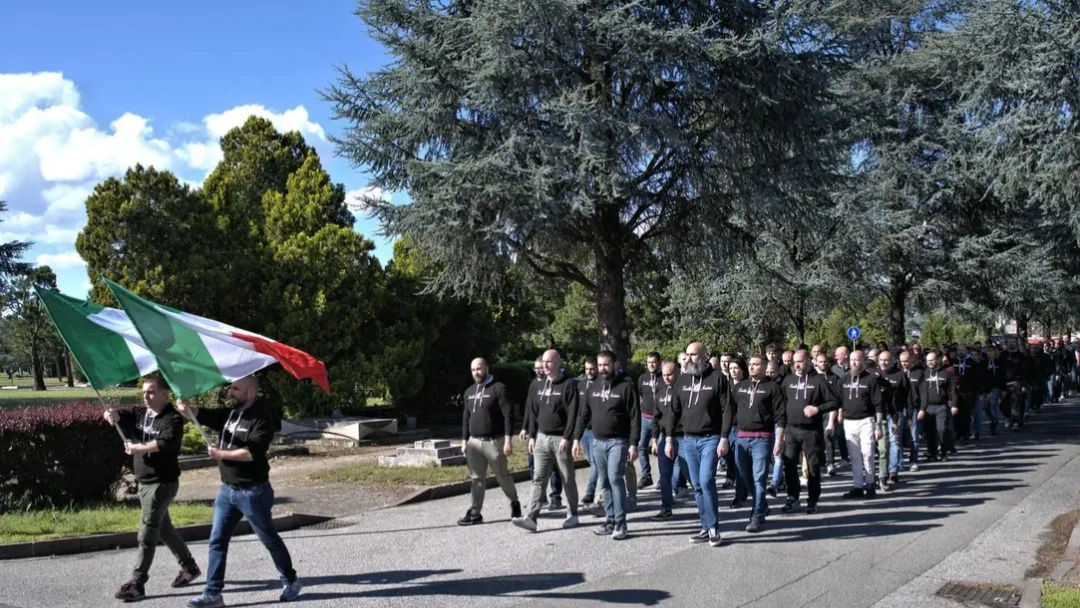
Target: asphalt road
(978, 518)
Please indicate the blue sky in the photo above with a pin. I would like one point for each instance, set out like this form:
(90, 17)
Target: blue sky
(165, 67)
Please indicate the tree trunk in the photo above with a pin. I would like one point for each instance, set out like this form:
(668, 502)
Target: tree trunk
(70, 369)
(1022, 328)
(59, 368)
(38, 368)
(611, 305)
(897, 303)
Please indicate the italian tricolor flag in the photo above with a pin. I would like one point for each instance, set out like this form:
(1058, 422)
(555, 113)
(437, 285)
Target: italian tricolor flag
(194, 354)
(103, 340)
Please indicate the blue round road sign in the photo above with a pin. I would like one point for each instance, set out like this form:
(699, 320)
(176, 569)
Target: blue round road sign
(853, 333)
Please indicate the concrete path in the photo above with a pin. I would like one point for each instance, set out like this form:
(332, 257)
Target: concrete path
(978, 518)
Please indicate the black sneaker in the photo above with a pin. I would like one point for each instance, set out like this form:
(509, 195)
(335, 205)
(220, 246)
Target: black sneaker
(515, 510)
(474, 518)
(663, 515)
(186, 576)
(854, 493)
(771, 490)
(811, 508)
(131, 591)
(644, 483)
(700, 537)
(735, 504)
(587, 500)
(605, 529)
(789, 505)
(555, 505)
(754, 527)
(870, 493)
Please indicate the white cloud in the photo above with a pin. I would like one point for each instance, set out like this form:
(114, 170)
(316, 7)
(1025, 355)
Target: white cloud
(52, 153)
(67, 259)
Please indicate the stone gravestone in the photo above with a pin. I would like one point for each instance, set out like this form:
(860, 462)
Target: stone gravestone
(438, 453)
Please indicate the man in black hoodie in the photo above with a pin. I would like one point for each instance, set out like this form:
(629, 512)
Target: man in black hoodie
(862, 402)
(700, 411)
(245, 432)
(899, 398)
(154, 433)
(649, 384)
(611, 407)
(553, 418)
(937, 395)
(809, 401)
(486, 427)
(760, 414)
(536, 387)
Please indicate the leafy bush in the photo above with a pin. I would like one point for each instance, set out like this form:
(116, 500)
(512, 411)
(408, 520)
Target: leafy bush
(58, 456)
(192, 442)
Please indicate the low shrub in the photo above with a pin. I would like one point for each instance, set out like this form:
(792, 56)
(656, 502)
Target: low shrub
(192, 442)
(58, 456)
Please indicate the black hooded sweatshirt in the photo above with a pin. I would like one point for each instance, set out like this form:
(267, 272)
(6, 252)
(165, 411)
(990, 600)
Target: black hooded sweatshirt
(488, 413)
(166, 430)
(861, 396)
(554, 408)
(809, 389)
(251, 428)
(900, 397)
(969, 377)
(937, 387)
(701, 404)
(610, 407)
(664, 396)
(649, 384)
(760, 406)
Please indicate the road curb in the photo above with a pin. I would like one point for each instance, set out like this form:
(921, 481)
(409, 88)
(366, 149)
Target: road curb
(127, 540)
(1031, 593)
(458, 488)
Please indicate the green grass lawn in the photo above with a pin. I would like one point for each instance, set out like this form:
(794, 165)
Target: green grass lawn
(371, 474)
(43, 525)
(56, 395)
(1054, 596)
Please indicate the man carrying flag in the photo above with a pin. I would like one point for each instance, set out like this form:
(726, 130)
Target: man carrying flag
(245, 433)
(155, 432)
(196, 355)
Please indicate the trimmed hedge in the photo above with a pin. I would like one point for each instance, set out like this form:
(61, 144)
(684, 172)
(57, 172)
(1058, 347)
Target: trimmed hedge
(58, 456)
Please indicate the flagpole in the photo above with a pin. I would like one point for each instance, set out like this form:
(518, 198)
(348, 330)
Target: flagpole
(187, 414)
(106, 406)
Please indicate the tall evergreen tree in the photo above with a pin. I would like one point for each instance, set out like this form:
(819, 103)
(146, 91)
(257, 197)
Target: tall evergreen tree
(580, 136)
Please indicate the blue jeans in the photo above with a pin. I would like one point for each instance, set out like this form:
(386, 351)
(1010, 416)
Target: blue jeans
(643, 448)
(587, 439)
(254, 504)
(700, 456)
(894, 438)
(752, 459)
(670, 471)
(915, 426)
(609, 457)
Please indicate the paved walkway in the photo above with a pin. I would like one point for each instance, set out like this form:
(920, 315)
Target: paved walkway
(976, 519)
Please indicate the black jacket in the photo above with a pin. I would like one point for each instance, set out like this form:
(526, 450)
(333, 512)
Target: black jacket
(610, 407)
(664, 396)
(811, 389)
(253, 429)
(701, 404)
(994, 374)
(937, 388)
(969, 377)
(554, 408)
(649, 384)
(760, 406)
(167, 430)
(861, 396)
(488, 413)
(899, 397)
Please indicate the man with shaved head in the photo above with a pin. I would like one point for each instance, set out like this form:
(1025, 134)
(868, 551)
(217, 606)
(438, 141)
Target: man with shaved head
(553, 419)
(245, 431)
(700, 411)
(862, 403)
(486, 428)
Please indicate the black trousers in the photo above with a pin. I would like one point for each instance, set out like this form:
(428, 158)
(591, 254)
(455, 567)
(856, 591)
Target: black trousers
(809, 441)
(938, 429)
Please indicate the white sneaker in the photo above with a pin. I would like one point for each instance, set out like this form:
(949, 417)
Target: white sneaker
(571, 521)
(914, 468)
(525, 523)
(620, 532)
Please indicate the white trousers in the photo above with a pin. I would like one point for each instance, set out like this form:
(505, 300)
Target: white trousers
(860, 445)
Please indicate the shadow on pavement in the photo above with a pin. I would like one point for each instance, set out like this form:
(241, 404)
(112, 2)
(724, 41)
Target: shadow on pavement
(403, 583)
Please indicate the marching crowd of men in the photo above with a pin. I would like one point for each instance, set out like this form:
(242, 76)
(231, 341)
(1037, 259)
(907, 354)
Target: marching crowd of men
(769, 423)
